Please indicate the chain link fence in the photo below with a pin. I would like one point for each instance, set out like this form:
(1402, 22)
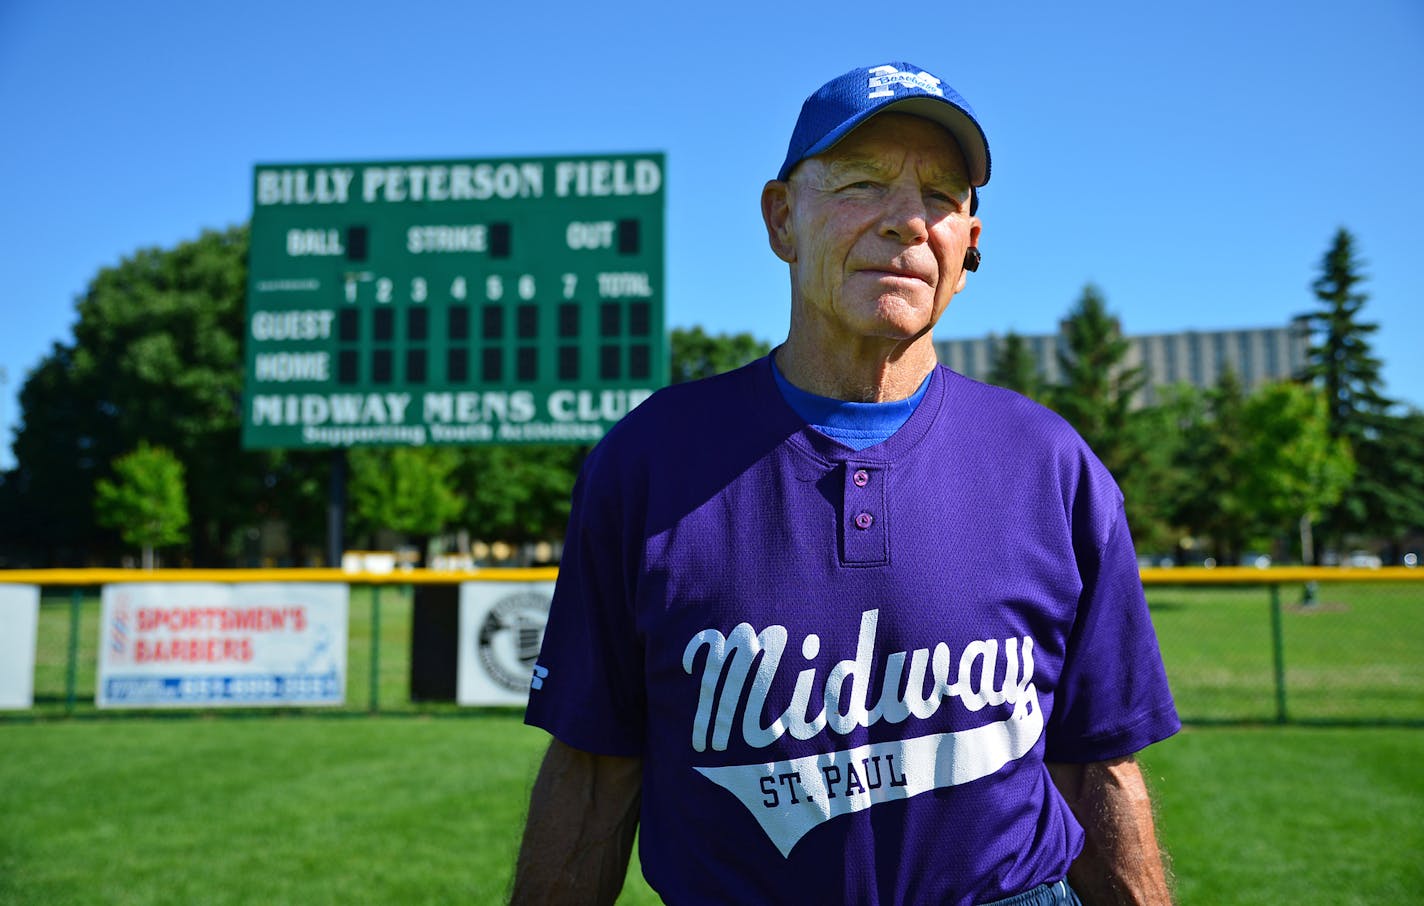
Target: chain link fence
(1333, 646)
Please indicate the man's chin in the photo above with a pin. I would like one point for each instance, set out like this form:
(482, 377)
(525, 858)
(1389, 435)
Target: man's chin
(899, 319)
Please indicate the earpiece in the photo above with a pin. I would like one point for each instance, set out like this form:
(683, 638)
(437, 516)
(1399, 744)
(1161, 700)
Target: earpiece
(972, 258)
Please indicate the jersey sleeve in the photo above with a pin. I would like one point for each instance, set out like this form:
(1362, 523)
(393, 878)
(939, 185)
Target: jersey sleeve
(1113, 698)
(587, 688)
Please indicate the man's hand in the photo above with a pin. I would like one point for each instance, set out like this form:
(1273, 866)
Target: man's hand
(579, 835)
(1120, 862)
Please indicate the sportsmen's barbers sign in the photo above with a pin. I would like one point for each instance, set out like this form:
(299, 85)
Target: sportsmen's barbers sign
(453, 301)
(222, 645)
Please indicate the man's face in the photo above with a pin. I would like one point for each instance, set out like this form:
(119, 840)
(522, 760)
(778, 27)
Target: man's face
(875, 231)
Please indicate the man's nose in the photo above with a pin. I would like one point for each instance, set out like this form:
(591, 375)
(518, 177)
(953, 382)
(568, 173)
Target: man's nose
(905, 218)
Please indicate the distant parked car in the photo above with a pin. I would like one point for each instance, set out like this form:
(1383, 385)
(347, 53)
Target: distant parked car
(1362, 560)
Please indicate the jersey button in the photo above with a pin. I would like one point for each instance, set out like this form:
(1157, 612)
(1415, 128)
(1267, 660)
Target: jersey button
(861, 478)
(864, 521)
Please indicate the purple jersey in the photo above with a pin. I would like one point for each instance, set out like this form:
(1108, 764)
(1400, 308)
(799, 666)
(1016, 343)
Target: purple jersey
(844, 670)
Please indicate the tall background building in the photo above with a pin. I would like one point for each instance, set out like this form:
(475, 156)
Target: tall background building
(1197, 357)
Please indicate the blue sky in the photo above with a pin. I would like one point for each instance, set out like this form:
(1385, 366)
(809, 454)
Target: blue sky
(1192, 160)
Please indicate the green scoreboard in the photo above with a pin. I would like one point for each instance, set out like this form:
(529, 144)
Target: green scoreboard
(453, 301)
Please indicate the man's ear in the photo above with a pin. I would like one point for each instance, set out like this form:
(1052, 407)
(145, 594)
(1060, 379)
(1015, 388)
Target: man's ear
(975, 227)
(776, 212)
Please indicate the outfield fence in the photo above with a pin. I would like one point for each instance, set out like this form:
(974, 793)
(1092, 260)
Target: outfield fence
(1241, 645)
(1292, 645)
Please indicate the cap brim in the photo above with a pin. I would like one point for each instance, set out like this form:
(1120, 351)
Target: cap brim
(972, 142)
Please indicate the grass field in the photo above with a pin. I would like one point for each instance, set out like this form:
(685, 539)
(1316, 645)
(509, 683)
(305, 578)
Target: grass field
(416, 810)
(262, 810)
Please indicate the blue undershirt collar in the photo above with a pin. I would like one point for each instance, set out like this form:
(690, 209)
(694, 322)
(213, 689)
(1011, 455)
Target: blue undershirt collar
(857, 425)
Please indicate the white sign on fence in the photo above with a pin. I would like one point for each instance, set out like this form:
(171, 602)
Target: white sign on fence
(19, 626)
(501, 629)
(205, 645)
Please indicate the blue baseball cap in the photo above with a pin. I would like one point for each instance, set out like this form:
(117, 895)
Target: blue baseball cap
(848, 100)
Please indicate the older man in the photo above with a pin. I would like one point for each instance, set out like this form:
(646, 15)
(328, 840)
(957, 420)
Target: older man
(844, 626)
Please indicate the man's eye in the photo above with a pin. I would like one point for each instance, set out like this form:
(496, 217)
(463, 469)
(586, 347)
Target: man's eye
(947, 201)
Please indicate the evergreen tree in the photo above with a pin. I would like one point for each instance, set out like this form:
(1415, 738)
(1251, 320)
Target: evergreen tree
(1014, 367)
(1096, 390)
(1389, 480)
(1340, 359)
(1096, 397)
(1343, 366)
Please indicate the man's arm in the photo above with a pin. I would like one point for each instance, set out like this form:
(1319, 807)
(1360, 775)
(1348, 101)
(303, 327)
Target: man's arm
(1120, 862)
(579, 834)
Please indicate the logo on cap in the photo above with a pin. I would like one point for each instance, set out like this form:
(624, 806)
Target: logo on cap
(883, 78)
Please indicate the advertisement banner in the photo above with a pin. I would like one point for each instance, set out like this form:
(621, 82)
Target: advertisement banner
(19, 626)
(501, 629)
(211, 645)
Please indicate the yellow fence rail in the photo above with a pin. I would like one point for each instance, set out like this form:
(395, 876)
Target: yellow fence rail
(89, 578)
(1222, 575)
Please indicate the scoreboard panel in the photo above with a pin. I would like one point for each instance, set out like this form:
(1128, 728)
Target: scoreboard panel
(453, 301)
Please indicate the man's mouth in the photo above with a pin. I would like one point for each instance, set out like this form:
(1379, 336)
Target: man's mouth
(897, 273)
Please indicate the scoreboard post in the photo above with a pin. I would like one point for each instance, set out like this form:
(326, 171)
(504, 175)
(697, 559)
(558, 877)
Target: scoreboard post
(456, 301)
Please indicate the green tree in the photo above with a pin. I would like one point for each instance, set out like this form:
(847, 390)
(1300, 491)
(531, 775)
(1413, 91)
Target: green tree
(1343, 366)
(409, 490)
(51, 486)
(1014, 367)
(1211, 506)
(1257, 467)
(1096, 395)
(1153, 480)
(1290, 468)
(1341, 362)
(696, 354)
(1096, 392)
(146, 502)
(1389, 481)
(519, 494)
(156, 356)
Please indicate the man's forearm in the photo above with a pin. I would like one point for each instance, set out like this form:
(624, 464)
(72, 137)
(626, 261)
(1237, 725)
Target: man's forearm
(579, 835)
(1121, 862)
